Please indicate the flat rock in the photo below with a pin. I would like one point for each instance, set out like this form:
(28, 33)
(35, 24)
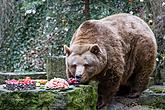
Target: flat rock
(154, 96)
(77, 98)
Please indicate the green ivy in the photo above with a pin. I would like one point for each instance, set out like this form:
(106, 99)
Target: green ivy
(39, 28)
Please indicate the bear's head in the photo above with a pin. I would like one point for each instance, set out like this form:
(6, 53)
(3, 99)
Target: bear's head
(84, 62)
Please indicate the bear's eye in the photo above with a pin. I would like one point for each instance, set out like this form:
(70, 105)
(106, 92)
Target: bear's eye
(73, 66)
(86, 65)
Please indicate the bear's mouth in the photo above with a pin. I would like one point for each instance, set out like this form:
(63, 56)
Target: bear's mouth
(84, 80)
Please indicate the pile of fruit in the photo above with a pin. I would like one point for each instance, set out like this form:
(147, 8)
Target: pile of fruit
(23, 84)
(40, 82)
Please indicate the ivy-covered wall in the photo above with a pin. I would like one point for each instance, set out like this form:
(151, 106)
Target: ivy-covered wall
(38, 29)
(32, 30)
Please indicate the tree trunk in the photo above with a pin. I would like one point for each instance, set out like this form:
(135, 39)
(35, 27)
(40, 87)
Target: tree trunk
(87, 9)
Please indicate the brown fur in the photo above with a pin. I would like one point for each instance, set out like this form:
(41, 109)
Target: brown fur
(116, 50)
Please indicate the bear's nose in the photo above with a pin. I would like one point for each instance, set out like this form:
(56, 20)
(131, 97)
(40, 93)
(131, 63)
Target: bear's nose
(78, 77)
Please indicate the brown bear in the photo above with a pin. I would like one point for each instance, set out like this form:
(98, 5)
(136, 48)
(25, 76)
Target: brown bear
(118, 50)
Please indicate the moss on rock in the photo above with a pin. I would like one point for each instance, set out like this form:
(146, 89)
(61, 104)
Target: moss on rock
(79, 98)
(25, 100)
(154, 97)
(82, 99)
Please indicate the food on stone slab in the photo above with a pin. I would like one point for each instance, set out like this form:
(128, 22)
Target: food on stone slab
(43, 82)
(57, 83)
(40, 82)
(22, 84)
(72, 81)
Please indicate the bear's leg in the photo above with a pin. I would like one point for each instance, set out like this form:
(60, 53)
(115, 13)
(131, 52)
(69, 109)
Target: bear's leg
(106, 89)
(140, 83)
(145, 61)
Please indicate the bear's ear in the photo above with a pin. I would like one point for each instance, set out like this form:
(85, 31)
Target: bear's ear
(67, 50)
(95, 49)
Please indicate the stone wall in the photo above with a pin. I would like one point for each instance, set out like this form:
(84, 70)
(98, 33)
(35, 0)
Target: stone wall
(55, 67)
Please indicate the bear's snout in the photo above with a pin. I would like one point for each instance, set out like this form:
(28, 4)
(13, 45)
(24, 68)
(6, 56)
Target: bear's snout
(78, 77)
(79, 71)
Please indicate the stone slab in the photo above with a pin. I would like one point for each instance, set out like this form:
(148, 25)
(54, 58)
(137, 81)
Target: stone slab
(78, 98)
(154, 96)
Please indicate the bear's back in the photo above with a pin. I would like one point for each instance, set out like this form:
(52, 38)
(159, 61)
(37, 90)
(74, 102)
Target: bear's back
(128, 27)
(125, 27)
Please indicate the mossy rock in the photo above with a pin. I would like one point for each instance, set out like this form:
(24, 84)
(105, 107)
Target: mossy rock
(80, 98)
(154, 97)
